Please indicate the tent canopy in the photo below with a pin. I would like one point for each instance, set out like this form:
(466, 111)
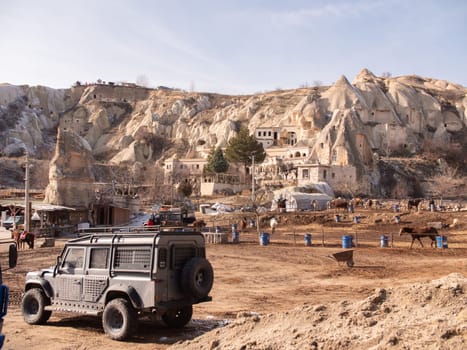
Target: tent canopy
(298, 201)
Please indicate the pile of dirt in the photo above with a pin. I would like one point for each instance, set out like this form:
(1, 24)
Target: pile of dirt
(430, 315)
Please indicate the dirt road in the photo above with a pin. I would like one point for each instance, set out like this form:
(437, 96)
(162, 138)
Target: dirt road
(267, 279)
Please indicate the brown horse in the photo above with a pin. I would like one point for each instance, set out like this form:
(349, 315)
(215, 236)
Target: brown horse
(358, 202)
(15, 235)
(338, 203)
(22, 238)
(420, 232)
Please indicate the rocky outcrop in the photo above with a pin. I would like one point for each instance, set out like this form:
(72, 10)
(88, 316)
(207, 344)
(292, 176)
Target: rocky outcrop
(29, 117)
(71, 177)
(346, 123)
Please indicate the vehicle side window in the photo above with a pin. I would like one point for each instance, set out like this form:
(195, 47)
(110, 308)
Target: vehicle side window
(99, 258)
(132, 258)
(74, 258)
(162, 258)
(181, 254)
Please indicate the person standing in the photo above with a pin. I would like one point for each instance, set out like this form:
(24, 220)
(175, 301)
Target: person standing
(432, 204)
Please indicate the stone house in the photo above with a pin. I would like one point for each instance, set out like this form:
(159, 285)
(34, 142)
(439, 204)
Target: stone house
(340, 178)
(276, 136)
(191, 169)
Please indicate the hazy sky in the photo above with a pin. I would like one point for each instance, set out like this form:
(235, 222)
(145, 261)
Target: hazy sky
(242, 46)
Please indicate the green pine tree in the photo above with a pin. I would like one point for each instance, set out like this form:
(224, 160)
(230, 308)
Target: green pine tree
(216, 161)
(243, 147)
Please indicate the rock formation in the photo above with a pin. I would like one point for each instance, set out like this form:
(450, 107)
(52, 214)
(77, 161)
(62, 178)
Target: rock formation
(347, 123)
(71, 177)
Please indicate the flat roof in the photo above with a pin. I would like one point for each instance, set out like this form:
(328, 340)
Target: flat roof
(38, 206)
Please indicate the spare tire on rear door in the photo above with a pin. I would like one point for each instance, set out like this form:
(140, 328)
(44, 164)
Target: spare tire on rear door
(197, 277)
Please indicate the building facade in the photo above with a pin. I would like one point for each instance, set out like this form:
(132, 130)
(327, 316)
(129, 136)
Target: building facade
(340, 178)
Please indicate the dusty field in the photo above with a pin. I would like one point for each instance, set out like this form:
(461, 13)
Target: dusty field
(272, 282)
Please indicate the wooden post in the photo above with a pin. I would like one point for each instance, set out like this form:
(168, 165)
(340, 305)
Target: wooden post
(356, 236)
(27, 207)
(322, 236)
(258, 223)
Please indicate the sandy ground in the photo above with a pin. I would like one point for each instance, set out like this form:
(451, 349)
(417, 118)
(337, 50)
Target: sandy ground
(272, 282)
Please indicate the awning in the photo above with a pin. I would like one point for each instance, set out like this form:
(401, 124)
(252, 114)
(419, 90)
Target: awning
(40, 206)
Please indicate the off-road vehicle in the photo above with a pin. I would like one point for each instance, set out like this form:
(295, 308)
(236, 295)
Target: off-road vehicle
(123, 277)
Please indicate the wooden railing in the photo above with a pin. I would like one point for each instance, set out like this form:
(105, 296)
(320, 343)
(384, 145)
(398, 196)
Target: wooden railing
(19, 193)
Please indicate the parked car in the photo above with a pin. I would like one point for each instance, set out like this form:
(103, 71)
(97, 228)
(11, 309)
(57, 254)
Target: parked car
(8, 223)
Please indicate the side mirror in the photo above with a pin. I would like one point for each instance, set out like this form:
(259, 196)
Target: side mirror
(12, 255)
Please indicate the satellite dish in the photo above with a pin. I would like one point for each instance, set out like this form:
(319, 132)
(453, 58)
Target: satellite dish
(35, 216)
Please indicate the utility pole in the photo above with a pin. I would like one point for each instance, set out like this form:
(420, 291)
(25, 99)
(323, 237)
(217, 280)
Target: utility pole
(253, 198)
(27, 213)
(172, 190)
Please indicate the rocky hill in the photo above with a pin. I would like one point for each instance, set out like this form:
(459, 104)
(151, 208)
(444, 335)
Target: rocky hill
(391, 128)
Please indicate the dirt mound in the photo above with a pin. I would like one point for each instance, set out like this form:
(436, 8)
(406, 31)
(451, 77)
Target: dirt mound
(419, 316)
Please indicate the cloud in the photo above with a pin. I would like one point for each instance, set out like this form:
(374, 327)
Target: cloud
(328, 10)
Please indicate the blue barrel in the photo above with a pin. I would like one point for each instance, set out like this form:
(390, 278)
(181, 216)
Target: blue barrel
(218, 229)
(396, 208)
(235, 236)
(252, 223)
(347, 242)
(397, 219)
(264, 238)
(307, 239)
(432, 207)
(338, 218)
(356, 219)
(442, 241)
(234, 227)
(384, 241)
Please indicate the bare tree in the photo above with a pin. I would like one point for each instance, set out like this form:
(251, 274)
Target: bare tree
(448, 184)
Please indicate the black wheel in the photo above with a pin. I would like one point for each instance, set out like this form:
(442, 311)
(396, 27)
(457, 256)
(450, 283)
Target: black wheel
(119, 319)
(197, 277)
(179, 317)
(33, 306)
(12, 255)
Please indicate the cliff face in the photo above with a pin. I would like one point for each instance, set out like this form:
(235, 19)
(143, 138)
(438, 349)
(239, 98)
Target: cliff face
(346, 123)
(29, 117)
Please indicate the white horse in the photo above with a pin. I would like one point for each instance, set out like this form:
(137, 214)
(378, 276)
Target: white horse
(273, 223)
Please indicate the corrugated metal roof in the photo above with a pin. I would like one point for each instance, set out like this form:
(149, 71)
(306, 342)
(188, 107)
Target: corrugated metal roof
(40, 206)
(50, 207)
